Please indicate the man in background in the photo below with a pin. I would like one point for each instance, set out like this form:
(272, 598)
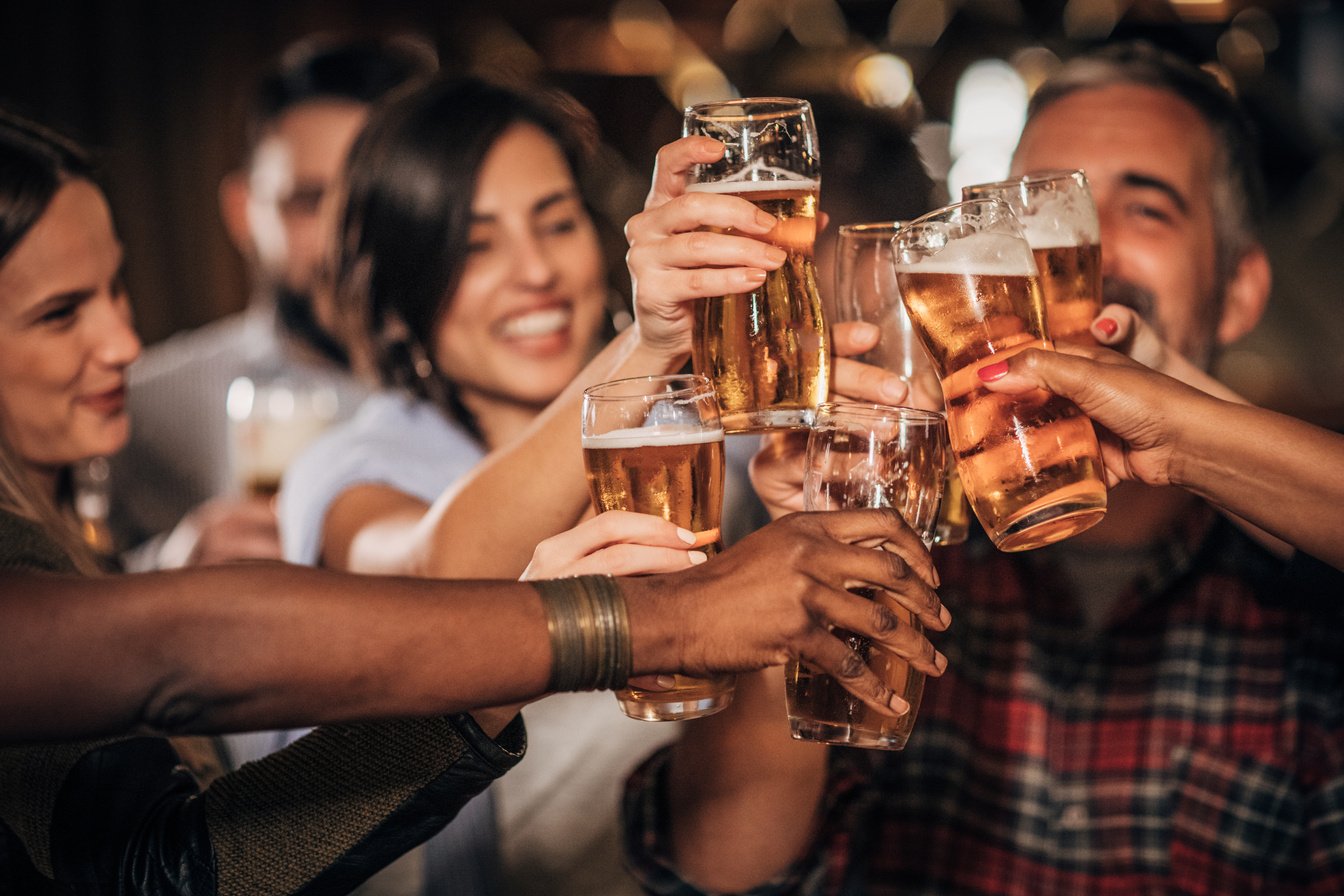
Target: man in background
(176, 496)
(1151, 706)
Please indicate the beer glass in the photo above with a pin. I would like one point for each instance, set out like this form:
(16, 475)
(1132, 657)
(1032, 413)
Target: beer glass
(765, 350)
(1030, 464)
(865, 290)
(655, 445)
(1059, 220)
(862, 455)
(270, 423)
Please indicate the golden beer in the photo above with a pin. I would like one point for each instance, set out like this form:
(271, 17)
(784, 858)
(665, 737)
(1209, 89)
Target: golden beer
(1071, 287)
(821, 709)
(767, 350)
(1030, 464)
(868, 456)
(954, 514)
(675, 472)
(672, 472)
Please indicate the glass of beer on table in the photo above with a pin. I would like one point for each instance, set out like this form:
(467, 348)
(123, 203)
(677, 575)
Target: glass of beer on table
(766, 351)
(655, 445)
(1030, 464)
(861, 455)
(865, 290)
(1059, 220)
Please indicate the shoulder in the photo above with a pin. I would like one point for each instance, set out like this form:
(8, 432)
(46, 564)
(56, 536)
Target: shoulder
(26, 545)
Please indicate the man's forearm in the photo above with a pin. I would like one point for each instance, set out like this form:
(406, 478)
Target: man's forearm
(744, 796)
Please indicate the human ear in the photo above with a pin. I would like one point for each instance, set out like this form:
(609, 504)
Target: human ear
(234, 196)
(1245, 296)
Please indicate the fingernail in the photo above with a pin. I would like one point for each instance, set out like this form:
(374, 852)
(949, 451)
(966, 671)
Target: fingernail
(991, 372)
(696, 557)
(944, 617)
(939, 661)
(1107, 326)
(686, 535)
(899, 705)
(765, 219)
(894, 388)
(755, 275)
(775, 254)
(666, 682)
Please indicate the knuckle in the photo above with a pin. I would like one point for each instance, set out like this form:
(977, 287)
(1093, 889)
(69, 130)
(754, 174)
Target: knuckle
(883, 620)
(851, 666)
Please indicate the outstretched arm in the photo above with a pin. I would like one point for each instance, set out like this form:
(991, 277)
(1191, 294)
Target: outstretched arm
(1279, 473)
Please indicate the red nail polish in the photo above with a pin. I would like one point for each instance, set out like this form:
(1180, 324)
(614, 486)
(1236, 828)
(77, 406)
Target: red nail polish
(1107, 326)
(991, 372)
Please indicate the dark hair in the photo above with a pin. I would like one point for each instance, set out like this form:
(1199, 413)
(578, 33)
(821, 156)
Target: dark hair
(34, 162)
(1238, 184)
(323, 67)
(406, 215)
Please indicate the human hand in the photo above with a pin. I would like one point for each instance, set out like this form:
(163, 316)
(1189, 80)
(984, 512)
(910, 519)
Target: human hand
(777, 595)
(1123, 329)
(1141, 410)
(777, 468)
(221, 530)
(682, 247)
(618, 543)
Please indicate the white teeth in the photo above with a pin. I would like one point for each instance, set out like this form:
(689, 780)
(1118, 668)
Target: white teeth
(537, 323)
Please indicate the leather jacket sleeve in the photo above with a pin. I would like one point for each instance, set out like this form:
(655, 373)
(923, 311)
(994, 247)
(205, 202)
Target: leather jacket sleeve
(317, 817)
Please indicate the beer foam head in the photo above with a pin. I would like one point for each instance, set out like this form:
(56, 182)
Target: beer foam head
(659, 435)
(1058, 221)
(792, 184)
(990, 254)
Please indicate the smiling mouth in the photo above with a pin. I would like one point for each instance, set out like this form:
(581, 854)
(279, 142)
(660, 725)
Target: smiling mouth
(113, 401)
(537, 324)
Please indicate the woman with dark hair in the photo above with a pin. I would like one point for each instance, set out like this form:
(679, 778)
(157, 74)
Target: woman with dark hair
(468, 280)
(266, 644)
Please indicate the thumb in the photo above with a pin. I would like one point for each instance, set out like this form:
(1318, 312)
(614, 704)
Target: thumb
(675, 161)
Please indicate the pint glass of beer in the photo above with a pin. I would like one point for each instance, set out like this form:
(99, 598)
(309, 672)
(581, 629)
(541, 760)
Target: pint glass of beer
(655, 445)
(862, 455)
(865, 290)
(766, 350)
(1030, 464)
(1059, 220)
(270, 423)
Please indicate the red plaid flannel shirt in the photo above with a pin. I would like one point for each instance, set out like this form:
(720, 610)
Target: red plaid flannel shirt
(1193, 746)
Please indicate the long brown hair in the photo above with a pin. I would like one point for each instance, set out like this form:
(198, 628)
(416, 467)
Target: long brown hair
(34, 164)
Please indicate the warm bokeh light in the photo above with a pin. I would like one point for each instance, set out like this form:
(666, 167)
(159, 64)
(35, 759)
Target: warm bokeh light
(646, 29)
(883, 80)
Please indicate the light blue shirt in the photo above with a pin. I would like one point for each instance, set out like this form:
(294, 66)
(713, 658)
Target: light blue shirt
(392, 440)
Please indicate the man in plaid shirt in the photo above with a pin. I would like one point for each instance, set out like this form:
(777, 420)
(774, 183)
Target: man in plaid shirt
(1155, 706)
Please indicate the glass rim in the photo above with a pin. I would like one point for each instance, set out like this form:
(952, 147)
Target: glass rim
(873, 228)
(696, 385)
(1030, 179)
(870, 410)
(772, 107)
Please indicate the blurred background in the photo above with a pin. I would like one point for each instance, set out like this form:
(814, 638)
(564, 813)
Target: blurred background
(158, 90)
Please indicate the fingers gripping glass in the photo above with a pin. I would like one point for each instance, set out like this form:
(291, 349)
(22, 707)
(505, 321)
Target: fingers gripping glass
(655, 445)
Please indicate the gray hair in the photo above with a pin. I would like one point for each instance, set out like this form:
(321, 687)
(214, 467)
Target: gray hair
(1238, 188)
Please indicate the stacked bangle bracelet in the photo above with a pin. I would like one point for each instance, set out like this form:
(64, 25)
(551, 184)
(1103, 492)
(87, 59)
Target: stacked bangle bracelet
(589, 631)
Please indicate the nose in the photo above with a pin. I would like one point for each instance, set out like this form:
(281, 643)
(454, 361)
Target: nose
(533, 264)
(117, 344)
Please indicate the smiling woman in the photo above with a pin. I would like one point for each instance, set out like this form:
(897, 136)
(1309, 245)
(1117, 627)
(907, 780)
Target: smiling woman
(469, 282)
(65, 336)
